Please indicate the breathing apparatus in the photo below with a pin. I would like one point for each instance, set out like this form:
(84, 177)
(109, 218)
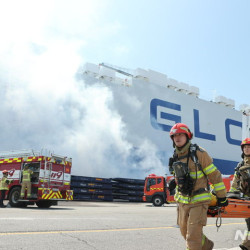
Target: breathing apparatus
(180, 169)
(184, 181)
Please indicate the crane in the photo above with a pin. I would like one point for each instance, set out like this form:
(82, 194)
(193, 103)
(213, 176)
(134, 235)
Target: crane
(117, 69)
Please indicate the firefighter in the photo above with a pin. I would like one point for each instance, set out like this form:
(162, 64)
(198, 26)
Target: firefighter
(26, 181)
(4, 186)
(241, 183)
(193, 168)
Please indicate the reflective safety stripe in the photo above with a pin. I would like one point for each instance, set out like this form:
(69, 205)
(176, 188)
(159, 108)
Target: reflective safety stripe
(209, 169)
(199, 174)
(11, 160)
(156, 188)
(50, 194)
(232, 189)
(219, 186)
(203, 239)
(26, 175)
(196, 198)
(3, 184)
(69, 195)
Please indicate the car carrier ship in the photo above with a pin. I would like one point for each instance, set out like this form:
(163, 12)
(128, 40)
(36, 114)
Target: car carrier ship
(150, 103)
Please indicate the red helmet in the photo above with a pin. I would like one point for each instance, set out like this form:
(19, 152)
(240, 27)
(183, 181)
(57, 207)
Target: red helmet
(245, 142)
(181, 128)
(5, 172)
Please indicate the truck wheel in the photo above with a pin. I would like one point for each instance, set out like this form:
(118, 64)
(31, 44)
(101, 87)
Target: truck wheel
(44, 204)
(14, 197)
(158, 201)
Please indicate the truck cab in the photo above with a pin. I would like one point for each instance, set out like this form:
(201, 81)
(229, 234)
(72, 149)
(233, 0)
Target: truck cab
(50, 179)
(155, 190)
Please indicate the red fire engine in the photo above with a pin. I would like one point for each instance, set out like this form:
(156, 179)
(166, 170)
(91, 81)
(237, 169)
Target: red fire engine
(50, 181)
(156, 189)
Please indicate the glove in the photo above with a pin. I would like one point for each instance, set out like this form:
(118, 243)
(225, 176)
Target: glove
(172, 185)
(222, 202)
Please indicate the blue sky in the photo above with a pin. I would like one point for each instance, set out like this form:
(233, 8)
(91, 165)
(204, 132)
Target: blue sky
(43, 44)
(202, 43)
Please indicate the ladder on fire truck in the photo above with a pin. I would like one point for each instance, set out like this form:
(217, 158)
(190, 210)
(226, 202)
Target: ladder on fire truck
(18, 153)
(30, 152)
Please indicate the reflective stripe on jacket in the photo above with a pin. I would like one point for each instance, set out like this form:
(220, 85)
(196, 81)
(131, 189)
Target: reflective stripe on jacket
(27, 175)
(209, 171)
(3, 184)
(196, 198)
(236, 185)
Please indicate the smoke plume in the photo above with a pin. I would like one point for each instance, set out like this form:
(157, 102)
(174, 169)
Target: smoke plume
(44, 106)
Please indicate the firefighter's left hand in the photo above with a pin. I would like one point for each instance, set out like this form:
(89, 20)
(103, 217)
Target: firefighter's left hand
(222, 202)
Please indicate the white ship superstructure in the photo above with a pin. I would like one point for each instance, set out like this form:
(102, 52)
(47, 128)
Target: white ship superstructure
(150, 103)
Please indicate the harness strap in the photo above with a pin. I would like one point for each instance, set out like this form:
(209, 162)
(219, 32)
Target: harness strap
(237, 169)
(193, 149)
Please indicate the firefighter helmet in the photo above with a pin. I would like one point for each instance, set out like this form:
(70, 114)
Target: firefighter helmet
(26, 166)
(181, 128)
(5, 172)
(245, 142)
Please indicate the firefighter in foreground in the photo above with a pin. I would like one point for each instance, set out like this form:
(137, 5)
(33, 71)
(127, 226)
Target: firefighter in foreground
(241, 183)
(193, 168)
(4, 186)
(26, 181)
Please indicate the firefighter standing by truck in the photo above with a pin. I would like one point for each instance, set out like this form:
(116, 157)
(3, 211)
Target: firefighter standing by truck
(26, 181)
(192, 168)
(4, 186)
(241, 183)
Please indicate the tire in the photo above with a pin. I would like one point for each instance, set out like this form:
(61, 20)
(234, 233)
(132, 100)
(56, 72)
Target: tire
(14, 197)
(157, 201)
(44, 204)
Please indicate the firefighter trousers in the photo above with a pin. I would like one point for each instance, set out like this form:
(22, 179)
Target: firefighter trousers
(2, 197)
(26, 184)
(246, 242)
(191, 219)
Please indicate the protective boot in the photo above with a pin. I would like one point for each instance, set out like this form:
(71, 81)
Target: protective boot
(208, 245)
(243, 247)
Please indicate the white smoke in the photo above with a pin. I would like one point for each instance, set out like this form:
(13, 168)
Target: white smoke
(42, 103)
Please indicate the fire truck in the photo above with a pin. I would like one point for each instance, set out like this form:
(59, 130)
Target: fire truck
(50, 181)
(156, 189)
